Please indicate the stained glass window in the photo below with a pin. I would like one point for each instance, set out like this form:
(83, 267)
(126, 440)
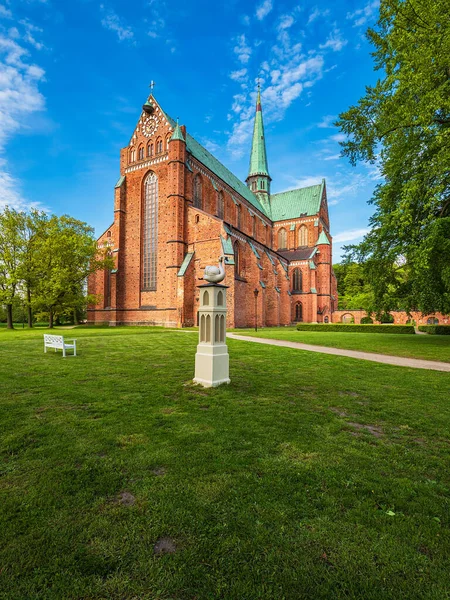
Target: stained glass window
(282, 238)
(150, 233)
(303, 236)
(297, 280)
(220, 205)
(198, 192)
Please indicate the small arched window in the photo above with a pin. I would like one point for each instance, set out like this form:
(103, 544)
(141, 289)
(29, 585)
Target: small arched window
(132, 154)
(167, 142)
(141, 152)
(149, 149)
(303, 236)
(254, 226)
(220, 205)
(159, 146)
(282, 238)
(237, 260)
(299, 312)
(238, 215)
(297, 280)
(198, 191)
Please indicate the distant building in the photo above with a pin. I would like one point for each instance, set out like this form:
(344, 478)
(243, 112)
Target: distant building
(177, 209)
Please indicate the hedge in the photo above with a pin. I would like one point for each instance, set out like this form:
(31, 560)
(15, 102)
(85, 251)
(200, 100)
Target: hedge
(435, 329)
(352, 328)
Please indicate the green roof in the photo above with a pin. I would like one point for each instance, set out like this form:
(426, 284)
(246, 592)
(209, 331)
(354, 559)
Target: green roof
(227, 246)
(295, 203)
(323, 239)
(211, 162)
(258, 157)
(254, 250)
(185, 264)
(120, 181)
(312, 265)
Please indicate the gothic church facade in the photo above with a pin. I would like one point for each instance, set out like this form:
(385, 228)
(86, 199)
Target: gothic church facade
(178, 209)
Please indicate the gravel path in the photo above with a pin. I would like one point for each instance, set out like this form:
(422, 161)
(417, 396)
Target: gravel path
(398, 361)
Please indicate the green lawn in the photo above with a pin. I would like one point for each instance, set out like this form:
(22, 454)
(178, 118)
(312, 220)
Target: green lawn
(309, 476)
(428, 347)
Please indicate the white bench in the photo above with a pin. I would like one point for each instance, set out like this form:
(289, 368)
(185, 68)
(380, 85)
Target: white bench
(57, 342)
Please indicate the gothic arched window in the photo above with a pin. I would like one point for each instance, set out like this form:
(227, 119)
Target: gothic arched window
(150, 233)
(198, 191)
(254, 226)
(220, 205)
(149, 149)
(299, 312)
(282, 238)
(238, 215)
(303, 236)
(132, 154)
(237, 260)
(141, 152)
(297, 280)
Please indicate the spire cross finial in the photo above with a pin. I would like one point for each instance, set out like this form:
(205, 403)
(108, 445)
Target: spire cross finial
(258, 81)
(151, 86)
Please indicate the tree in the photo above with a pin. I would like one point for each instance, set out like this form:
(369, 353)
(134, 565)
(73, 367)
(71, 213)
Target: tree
(403, 122)
(11, 257)
(35, 226)
(67, 254)
(354, 290)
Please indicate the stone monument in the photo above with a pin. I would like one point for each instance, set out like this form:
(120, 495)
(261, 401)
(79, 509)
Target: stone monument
(211, 360)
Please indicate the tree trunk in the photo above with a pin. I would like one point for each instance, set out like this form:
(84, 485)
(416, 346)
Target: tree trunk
(75, 317)
(29, 312)
(50, 319)
(9, 317)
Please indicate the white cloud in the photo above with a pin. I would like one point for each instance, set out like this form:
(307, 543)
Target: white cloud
(242, 49)
(263, 9)
(5, 13)
(316, 13)
(335, 41)
(19, 79)
(286, 21)
(350, 235)
(114, 23)
(327, 122)
(245, 20)
(363, 15)
(332, 157)
(338, 137)
(238, 75)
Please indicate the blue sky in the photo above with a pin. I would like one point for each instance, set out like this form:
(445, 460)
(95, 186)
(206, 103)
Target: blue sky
(74, 75)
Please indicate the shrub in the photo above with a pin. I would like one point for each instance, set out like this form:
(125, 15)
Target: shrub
(349, 328)
(386, 318)
(366, 321)
(435, 329)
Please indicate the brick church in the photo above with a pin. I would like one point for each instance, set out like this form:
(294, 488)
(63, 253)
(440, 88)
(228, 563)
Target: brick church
(178, 209)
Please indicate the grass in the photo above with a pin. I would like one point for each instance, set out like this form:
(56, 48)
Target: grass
(309, 476)
(410, 346)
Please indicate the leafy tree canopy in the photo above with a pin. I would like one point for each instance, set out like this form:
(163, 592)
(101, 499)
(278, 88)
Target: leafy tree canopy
(403, 123)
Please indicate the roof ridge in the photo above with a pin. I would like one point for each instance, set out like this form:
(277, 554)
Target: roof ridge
(244, 191)
(306, 187)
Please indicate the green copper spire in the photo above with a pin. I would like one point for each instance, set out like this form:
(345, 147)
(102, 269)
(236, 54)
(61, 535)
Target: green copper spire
(258, 158)
(177, 134)
(258, 179)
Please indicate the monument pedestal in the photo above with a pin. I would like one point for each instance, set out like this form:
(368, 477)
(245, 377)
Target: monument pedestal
(211, 360)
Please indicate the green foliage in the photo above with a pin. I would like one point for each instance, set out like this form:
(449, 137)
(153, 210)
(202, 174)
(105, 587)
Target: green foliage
(46, 261)
(403, 123)
(435, 329)
(366, 321)
(354, 289)
(351, 328)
